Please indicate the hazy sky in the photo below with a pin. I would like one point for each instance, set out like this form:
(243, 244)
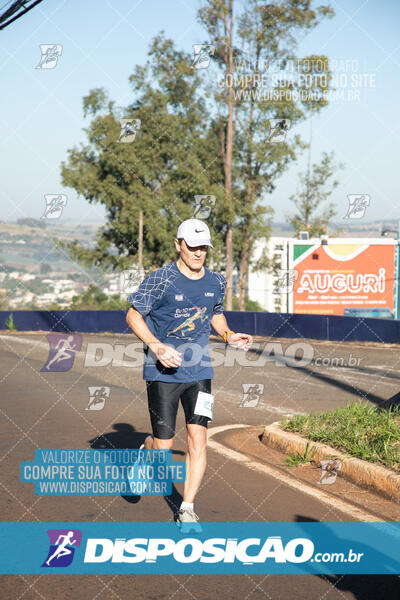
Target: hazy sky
(41, 109)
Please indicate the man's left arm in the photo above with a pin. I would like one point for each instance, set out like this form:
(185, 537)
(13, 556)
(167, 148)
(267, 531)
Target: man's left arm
(237, 340)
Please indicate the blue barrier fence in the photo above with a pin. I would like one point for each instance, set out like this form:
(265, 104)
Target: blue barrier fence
(281, 325)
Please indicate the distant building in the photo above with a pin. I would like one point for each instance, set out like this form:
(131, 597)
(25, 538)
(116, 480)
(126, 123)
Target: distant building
(261, 284)
(27, 277)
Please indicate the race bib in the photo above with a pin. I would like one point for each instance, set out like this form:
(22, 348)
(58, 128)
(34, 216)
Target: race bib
(204, 405)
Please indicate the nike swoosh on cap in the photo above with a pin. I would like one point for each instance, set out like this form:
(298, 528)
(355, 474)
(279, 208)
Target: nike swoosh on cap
(199, 230)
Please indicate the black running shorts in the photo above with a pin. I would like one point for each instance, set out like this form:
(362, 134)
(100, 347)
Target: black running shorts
(163, 401)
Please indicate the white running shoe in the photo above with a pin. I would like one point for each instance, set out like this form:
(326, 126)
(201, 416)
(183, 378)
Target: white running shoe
(187, 520)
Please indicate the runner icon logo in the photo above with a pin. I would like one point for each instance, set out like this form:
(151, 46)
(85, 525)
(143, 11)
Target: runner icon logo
(130, 279)
(285, 281)
(129, 129)
(97, 397)
(61, 551)
(50, 55)
(279, 128)
(357, 205)
(203, 205)
(330, 470)
(251, 394)
(202, 55)
(54, 206)
(62, 351)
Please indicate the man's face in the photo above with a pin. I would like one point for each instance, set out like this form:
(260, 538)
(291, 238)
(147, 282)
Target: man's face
(192, 256)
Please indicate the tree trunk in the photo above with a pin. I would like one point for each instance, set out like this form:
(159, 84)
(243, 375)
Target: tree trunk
(140, 250)
(244, 265)
(250, 198)
(228, 163)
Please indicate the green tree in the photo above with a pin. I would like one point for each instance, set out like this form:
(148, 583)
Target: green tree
(157, 175)
(260, 35)
(315, 186)
(95, 299)
(195, 139)
(250, 305)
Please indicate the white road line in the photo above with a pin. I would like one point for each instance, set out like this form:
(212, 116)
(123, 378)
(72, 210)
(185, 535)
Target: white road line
(11, 338)
(296, 484)
(39, 344)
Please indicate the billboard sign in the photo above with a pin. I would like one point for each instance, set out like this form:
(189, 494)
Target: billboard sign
(342, 274)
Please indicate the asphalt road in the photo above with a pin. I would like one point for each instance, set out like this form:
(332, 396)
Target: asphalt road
(49, 410)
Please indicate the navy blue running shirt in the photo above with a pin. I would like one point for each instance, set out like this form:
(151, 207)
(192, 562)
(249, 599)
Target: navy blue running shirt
(178, 311)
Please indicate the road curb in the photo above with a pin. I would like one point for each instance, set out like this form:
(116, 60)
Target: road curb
(360, 472)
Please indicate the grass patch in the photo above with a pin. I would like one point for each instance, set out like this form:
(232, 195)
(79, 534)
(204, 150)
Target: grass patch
(294, 460)
(359, 429)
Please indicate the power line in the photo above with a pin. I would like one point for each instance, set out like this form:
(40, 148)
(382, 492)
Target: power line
(21, 7)
(6, 4)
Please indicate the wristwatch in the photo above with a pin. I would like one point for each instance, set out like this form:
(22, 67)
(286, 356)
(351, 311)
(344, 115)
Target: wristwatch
(225, 335)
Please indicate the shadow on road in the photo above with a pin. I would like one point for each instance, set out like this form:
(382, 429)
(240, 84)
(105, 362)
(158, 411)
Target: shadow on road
(126, 436)
(338, 383)
(363, 587)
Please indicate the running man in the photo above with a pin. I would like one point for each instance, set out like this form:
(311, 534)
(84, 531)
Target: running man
(182, 293)
(62, 550)
(64, 349)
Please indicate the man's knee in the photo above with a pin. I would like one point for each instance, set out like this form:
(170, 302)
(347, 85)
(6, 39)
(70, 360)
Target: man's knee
(197, 438)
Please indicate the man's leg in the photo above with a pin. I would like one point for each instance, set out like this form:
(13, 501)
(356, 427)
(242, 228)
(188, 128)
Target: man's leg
(196, 460)
(163, 402)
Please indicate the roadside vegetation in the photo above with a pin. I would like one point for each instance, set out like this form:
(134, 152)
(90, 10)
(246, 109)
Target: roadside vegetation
(359, 429)
(294, 460)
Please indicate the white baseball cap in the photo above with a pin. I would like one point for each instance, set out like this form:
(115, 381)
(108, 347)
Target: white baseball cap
(195, 233)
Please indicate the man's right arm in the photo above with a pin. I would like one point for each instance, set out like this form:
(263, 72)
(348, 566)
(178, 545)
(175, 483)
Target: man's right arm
(168, 356)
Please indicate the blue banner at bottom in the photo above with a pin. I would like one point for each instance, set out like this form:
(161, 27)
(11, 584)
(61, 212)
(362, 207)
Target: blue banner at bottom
(208, 548)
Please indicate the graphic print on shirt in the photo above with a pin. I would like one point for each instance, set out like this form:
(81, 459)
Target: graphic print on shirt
(188, 324)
